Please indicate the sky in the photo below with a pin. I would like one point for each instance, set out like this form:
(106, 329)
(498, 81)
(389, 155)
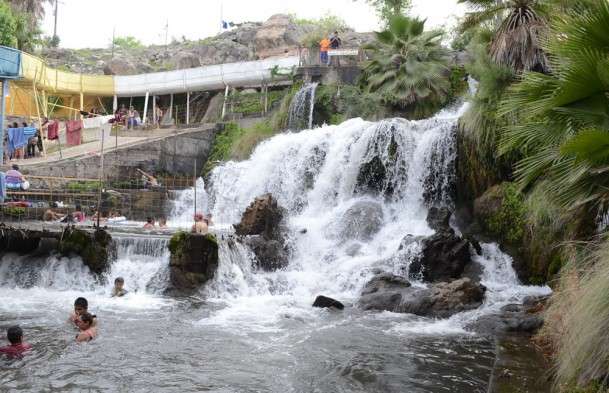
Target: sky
(86, 24)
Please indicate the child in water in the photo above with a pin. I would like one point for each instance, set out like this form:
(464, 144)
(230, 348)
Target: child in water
(81, 306)
(118, 290)
(17, 347)
(87, 329)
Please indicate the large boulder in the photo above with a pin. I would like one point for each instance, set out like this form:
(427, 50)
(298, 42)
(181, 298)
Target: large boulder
(119, 66)
(193, 262)
(186, 60)
(387, 292)
(361, 221)
(264, 231)
(444, 255)
(277, 35)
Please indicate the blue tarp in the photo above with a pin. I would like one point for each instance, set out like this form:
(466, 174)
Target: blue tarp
(10, 62)
(16, 139)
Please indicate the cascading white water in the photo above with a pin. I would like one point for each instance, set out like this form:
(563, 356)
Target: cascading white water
(182, 208)
(139, 260)
(300, 114)
(397, 168)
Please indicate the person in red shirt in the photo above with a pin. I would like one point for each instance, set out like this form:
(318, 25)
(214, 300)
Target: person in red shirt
(17, 348)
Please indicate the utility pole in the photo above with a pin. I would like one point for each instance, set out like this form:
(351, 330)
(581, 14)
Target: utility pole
(113, 34)
(166, 33)
(55, 27)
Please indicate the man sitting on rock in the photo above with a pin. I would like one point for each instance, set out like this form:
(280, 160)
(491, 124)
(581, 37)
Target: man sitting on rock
(200, 225)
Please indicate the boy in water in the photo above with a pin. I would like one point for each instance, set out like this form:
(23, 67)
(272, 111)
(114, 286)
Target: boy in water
(81, 306)
(118, 289)
(86, 324)
(17, 348)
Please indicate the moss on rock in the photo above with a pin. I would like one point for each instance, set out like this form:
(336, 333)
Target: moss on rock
(95, 248)
(194, 260)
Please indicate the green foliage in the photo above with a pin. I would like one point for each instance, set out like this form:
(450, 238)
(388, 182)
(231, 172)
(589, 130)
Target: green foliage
(176, 243)
(508, 221)
(334, 104)
(13, 211)
(127, 42)
(319, 28)
(567, 113)
(253, 103)
(519, 26)
(83, 186)
(387, 9)
(409, 67)
(577, 320)
(8, 26)
(458, 83)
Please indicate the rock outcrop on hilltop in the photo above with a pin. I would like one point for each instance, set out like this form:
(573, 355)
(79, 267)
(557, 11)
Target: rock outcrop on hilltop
(278, 36)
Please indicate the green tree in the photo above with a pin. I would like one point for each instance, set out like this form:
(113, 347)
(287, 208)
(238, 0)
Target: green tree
(128, 42)
(519, 26)
(409, 67)
(386, 9)
(560, 121)
(8, 26)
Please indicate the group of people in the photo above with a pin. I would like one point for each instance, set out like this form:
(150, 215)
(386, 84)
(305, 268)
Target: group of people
(327, 43)
(81, 319)
(23, 140)
(130, 118)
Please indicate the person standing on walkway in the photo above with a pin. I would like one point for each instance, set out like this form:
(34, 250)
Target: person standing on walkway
(336, 43)
(324, 45)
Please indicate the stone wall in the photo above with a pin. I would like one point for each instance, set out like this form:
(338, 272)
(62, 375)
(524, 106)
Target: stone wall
(173, 154)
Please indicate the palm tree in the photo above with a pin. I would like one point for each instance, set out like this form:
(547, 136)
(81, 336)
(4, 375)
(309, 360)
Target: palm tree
(520, 26)
(408, 67)
(562, 119)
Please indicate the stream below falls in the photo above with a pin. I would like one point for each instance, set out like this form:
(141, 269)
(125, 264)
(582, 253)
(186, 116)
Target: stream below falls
(254, 331)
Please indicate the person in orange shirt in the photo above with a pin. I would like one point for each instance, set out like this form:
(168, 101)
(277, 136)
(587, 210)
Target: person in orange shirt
(324, 45)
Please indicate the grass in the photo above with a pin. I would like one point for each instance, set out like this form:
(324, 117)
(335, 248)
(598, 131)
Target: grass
(577, 320)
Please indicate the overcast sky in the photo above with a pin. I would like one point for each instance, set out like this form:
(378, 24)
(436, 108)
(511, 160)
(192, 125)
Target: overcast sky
(89, 24)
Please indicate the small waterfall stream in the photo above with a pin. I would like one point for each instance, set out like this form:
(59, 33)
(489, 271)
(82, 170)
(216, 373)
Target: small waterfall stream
(301, 108)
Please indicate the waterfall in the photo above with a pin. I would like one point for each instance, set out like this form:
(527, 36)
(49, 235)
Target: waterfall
(301, 108)
(182, 207)
(140, 260)
(394, 168)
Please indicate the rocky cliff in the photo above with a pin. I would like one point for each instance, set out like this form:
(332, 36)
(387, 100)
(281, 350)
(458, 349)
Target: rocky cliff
(278, 36)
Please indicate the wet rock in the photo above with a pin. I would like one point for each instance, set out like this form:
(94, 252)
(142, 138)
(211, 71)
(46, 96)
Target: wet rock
(444, 256)
(327, 302)
(264, 232)
(262, 217)
(387, 292)
(96, 249)
(438, 218)
(372, 176)
(512, 318)
(270, 254)
(361, 221)
(193, 262)
(18, 240)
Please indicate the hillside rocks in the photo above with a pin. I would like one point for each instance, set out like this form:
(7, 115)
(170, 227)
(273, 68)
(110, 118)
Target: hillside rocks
(387, 292)
(278, 36)
(262, 227)
(193, 262)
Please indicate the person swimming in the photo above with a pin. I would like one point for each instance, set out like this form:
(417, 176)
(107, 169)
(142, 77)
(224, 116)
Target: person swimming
(81, 306)
(200, 225)
(87, 329)
(118, 290)
(17, 348)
